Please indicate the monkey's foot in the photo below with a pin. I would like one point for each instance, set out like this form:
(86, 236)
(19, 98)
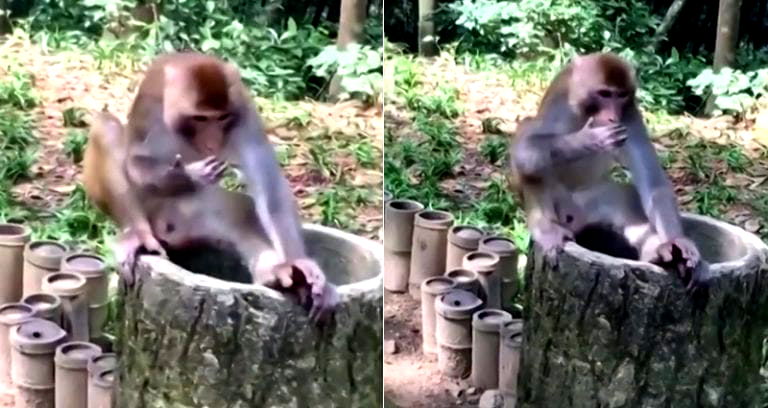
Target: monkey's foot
(128, 248)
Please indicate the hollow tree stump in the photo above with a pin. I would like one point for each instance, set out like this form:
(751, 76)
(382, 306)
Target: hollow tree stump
(190, 340)
(608, 332)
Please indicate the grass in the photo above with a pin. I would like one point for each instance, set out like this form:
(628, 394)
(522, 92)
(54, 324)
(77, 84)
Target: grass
(416, 167)
(74, 144)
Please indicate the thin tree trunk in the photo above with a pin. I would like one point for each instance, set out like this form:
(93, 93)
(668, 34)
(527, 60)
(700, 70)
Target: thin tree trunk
(669, 19)
(319, 10)
(351, 21)
(727, 39)
(427, 41)
(5, 21)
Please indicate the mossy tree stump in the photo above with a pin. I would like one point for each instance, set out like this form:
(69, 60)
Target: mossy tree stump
(190, 340)
(608, 332)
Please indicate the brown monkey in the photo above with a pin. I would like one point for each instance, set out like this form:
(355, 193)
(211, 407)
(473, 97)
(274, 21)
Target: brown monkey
(588, 120)
(191, 115)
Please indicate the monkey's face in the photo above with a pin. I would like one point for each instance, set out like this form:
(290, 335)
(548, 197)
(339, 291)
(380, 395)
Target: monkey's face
(198, 105)
(607, 104)
(206, 131)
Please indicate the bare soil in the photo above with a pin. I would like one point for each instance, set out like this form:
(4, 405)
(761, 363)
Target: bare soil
(6, 398)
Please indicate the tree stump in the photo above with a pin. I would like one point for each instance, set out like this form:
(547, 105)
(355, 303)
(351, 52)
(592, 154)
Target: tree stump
(191, 340)
(608, 332)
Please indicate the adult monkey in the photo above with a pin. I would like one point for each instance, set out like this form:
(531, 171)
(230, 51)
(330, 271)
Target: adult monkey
(157, 177)
(588, 120)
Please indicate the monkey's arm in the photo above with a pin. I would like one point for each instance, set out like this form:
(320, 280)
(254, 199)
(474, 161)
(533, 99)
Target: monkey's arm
(158, 177)
(273, 199)
(539, 149)
(655, 189)
(106, 184)
(278, 214)
(154, 171)
(103, 172)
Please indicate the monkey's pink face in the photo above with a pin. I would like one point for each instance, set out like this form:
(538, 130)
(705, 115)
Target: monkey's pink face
(606, 105)
(206, 130)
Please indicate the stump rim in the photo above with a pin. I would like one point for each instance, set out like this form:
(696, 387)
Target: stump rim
(752, 243)
(188, 278)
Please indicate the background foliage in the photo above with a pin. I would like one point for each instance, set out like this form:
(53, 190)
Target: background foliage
(526, 30)
(281, 36)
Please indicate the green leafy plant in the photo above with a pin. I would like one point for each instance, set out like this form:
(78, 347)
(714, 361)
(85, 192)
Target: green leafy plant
(664, 80)
(89, 17)
(493, 148)
(734, 91)
(17, 145)
(17, 90)
(358, 68)
(74, 144)
(273, 63)
(526, 27)
(74, 117)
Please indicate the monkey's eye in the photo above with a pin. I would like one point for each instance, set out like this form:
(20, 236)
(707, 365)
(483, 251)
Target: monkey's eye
(604, 93)
(224, 117)
(186, 129)
(622, 94)
(199, 118)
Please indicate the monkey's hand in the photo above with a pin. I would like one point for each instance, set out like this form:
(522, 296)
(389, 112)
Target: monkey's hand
(683, 254)
(204, 172)
(308, 280)
(128, 247)
(604, 138)
(551, 237)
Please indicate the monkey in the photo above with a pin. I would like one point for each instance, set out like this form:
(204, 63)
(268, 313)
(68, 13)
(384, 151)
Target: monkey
(587, 121)
(157, 177)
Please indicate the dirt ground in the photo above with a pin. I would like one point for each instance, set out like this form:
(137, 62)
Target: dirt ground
(412, 380)
(6, 397)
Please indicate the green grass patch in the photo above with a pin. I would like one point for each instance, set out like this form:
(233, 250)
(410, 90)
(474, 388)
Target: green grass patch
(74, 144)
(417, 163)
(17, 90)
(74, 117)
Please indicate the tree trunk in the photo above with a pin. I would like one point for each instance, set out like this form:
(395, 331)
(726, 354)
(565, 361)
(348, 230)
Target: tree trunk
(5, 20)
(607, 332)
(188, 340)
(669, 19)
(427, 40)
(727, 39)
(320, 7)
(351, 23)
